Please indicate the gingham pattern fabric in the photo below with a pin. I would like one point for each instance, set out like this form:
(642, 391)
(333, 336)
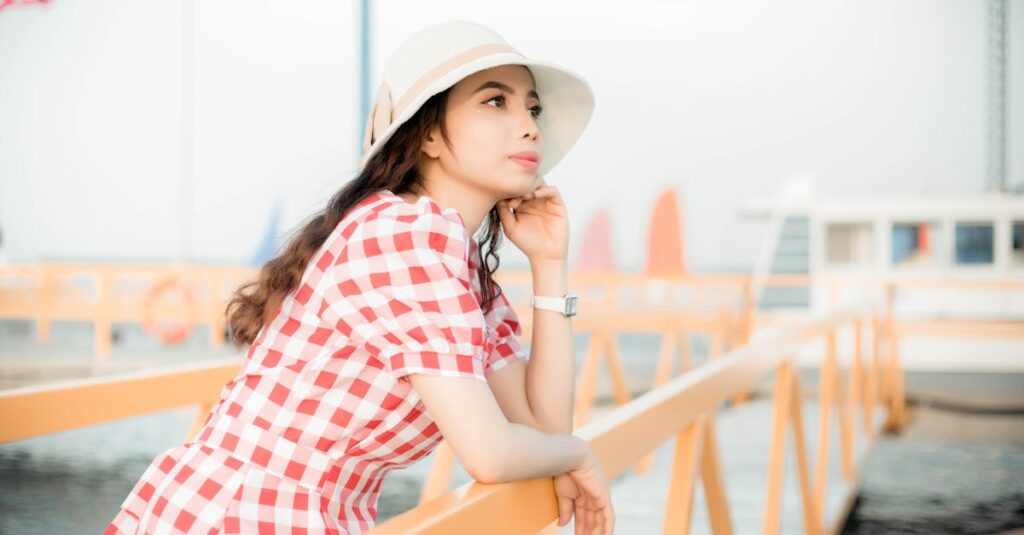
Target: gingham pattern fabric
(322, 408)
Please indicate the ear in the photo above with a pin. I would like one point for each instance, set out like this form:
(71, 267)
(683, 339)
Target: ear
(432, 143)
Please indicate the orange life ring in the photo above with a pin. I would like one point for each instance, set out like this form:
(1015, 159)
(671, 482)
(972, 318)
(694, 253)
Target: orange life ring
(168, 335)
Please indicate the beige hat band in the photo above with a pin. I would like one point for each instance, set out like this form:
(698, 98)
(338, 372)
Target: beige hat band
(383, 113)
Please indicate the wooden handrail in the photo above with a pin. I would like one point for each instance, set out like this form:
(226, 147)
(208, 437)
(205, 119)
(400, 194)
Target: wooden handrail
(683, 407)
(40, 410)
(630, 432)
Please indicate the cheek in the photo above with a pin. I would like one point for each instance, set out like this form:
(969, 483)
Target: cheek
(480, 141)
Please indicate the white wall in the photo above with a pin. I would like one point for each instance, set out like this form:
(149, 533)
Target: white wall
(720, 100)
(91, 128)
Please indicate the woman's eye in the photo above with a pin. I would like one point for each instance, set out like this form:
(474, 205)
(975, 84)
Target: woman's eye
(535, 110)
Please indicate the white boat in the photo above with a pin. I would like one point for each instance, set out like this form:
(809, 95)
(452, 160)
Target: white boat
(959, 259)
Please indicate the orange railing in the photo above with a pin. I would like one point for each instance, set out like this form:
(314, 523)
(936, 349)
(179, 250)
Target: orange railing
(682, 407)
(40, 410)
(102, 294)
(685, 408)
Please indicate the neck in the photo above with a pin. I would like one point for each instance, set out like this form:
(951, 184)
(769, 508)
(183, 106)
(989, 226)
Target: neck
(471, 204)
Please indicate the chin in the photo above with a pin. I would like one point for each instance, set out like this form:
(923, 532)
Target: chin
(528, 182)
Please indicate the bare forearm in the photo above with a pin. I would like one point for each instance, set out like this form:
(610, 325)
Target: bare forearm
(528, 453)
(551, 372)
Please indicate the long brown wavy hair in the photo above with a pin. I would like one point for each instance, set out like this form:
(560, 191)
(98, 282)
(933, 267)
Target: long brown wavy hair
(393, 168)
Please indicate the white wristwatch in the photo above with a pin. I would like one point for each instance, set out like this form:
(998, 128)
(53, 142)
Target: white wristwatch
(565, 304)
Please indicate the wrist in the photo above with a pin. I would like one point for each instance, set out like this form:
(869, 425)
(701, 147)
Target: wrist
(550, 277)
(584, 454)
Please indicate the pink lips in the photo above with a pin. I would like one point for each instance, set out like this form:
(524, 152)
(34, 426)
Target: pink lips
(527, 159)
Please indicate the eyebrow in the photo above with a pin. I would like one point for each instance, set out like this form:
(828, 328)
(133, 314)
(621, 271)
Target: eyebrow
(505, 88)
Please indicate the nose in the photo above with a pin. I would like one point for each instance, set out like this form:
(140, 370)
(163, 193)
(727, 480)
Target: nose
(528, 125)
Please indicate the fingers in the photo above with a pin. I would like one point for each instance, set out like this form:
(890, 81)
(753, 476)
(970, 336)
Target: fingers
(564, 511)
(598, 516)
(544, 192)
(609, 520)
(508, 219)
(580, 517)
(602, 519)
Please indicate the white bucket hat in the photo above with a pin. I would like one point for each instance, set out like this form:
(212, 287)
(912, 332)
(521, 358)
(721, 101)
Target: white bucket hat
(439, 56)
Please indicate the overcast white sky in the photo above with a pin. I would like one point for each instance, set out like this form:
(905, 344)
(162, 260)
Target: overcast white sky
(720, 100)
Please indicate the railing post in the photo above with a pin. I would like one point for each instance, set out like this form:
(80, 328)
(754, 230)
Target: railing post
(215, 308)
(812, 520)
(890, 333)
(714, 486)
(102, 322)
(685, 353)
(619, 387)
(782, 399)
(746, 329)
(847, 414)
(826, 384)
(588, 376)
(894, 371)
(47, 293)
(440, 473)
(871, 385)
(665, 357)
(748, 312)
(868, 370)
(685, 461)
(883, 367)
(718, 334)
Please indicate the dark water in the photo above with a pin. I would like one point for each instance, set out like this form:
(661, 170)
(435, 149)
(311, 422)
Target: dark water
(926, 487)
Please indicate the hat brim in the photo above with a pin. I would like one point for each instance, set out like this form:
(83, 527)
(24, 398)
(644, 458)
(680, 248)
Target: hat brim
(567, 98)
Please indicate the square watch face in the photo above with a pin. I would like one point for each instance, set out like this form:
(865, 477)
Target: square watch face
(570, 305)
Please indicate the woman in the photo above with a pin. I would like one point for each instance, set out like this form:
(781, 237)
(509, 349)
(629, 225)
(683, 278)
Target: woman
(379, 330)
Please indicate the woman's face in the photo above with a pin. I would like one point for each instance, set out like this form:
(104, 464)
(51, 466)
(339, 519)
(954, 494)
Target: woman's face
(491, 120)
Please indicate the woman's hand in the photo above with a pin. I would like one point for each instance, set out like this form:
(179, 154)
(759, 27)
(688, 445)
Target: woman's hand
(584, 491)
(539, 225)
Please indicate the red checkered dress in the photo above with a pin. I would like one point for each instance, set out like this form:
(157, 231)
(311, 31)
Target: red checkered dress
(322, 409)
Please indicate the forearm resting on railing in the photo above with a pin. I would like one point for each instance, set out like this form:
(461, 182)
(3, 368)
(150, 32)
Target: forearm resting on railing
(529, 454)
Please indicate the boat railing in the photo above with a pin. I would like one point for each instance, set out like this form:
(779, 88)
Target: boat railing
(685, 409)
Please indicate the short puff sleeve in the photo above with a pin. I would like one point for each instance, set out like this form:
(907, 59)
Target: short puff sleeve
(504, 331)
(401, 292)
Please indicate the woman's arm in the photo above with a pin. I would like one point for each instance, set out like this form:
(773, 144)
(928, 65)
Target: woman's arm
(490, 448)
(538, 224)
(551, 371)
(551, 367)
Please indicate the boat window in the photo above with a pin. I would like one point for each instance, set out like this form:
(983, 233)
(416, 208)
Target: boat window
(848, 244)
(1017, 238)
(974, 243)
(915, 243)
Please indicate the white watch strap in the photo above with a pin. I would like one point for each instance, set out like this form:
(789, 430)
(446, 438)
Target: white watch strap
(548, 302)
(565, 304)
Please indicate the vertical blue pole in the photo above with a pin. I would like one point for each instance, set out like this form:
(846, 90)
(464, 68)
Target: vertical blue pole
(364, 73)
